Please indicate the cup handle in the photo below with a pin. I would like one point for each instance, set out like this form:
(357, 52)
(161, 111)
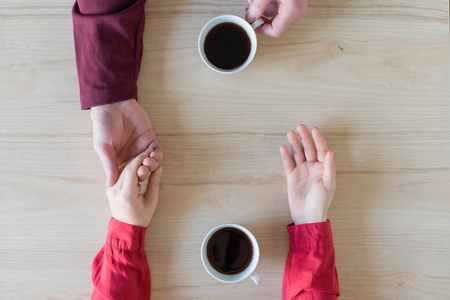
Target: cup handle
(256, 278)
(257, 23)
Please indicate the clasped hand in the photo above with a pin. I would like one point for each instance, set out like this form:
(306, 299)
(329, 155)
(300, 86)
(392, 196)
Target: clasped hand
(121, 131)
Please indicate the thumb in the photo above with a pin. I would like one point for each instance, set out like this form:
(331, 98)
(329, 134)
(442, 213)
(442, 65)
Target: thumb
(129, 174)
(329, 172)
(108, 158)
(256, 10)
(151, 194)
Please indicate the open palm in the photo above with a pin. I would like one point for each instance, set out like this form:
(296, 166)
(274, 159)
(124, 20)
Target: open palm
(310, 176)
(121, 131)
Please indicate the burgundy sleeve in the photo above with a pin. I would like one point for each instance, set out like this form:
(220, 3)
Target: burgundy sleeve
(108, 48)
(120, 270)
(310, 271)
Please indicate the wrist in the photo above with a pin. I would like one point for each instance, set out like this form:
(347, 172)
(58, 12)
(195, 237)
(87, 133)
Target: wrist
(104, 107)
(97, 111)
(310, 220)
(129, 220)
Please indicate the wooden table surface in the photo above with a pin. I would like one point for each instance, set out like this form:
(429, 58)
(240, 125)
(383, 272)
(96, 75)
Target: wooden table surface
(373, 75)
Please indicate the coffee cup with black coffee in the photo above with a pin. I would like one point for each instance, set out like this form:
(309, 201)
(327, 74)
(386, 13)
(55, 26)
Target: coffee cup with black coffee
(227, 44)
(230, 253)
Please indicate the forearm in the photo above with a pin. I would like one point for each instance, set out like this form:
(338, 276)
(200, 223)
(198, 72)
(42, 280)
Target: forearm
(108, 47)
(310, 271)
(120, 270)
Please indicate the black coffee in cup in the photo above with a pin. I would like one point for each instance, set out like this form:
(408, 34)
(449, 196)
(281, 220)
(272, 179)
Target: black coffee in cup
(227, 46)
(229, 251)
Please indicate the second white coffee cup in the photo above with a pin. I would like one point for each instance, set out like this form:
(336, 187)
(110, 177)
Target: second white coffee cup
(248, 272)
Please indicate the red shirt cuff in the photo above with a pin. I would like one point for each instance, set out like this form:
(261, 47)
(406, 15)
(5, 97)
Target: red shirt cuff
(310, 267)
(125, 236)
(312, 235)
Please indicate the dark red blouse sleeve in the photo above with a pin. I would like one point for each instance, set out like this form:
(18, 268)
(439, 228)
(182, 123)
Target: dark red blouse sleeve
(310, 271)
(108, 48)
(120, 270)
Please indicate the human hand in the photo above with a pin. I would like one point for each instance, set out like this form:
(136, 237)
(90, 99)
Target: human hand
(126, 203)
(311, 176)
(121, 131)
(277, 14)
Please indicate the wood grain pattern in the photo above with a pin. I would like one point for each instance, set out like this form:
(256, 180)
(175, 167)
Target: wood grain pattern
(373, 75)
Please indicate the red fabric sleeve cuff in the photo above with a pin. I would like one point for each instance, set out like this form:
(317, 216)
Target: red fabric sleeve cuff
(125, 236)
(307, 236)
(311, 270)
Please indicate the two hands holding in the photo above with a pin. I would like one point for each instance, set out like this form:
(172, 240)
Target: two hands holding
(123, 130)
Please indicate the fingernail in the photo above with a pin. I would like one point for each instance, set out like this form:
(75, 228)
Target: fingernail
(153, 154)
(250, 17)
(149, 150)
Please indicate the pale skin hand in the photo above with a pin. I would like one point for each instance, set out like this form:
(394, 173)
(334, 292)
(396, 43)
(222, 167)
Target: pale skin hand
(277, 14)
(311, 176)
(126, 203)
(121, 131)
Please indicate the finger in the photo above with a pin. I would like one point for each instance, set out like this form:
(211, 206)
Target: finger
(256, 10)
(321, 144)
(329, 172)
(157, 154)
(271, 10)
(109, 161)
(308, 143)
(277, 26)
(150, 163)
(121, 172)
(129, 174)
(143, 173)
(297, 151)
(266, 21)
(151, 194)
(123, 166)
(288, 162)
(287, 13)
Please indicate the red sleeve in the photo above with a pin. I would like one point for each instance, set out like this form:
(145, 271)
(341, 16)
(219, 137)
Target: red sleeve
(108, 48)
(310, 271)
(120, 270)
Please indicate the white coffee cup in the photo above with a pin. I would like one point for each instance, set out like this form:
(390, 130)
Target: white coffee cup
(249, 271)
(249, 29)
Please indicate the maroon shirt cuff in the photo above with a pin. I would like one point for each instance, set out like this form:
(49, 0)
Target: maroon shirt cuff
(125, 236)
(108, 49)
